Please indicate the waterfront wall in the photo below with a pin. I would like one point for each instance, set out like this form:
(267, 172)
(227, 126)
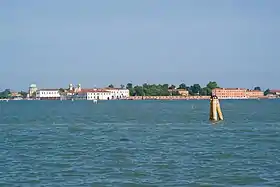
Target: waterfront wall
(167, 97)
(156, 98)
(183, 98)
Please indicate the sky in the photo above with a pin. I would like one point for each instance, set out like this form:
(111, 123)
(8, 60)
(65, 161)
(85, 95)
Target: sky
(96, 43)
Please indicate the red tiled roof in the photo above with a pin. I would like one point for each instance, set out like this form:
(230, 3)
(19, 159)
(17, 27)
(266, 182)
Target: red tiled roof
(229, 89)
(274, 91)
(15, 94)
(49, 89)
(108, 88)
(93, 90)
(85, 90)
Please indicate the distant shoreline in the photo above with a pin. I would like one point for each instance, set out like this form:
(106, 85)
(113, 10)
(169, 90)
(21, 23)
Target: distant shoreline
(136, 98)
(189, 98)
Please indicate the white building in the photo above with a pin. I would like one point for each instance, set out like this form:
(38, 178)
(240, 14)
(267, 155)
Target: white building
(90, 94)
(98, 95)
(118, 93)
(48, 94)
(32, 90)
(77, 93)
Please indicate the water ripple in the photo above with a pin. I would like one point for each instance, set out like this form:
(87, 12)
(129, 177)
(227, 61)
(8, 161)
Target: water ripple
(146, 143)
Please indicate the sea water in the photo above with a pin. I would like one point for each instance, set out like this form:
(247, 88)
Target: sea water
(139, 143)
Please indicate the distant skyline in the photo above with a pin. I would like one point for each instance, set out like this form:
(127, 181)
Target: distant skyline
(96, 43)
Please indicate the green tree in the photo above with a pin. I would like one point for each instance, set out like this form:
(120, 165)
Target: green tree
(266, 92)
(212, 85)
(33, 95)
(129, 86)
(195, 89)
(6, 94)
(164, 89)
(151, 90)
(139, 90)
(122, 86)
(61, 90)
(182, 86)
(23, 94)
(205, 91)
(111, 86)
(165, 86)
(257, 88)
(172, 87)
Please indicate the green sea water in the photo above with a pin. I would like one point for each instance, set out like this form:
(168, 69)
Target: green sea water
(139, 144)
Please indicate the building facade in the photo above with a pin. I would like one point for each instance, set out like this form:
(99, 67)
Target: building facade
(79, 93)
(182, 92)
(230, 93)
(98, 95)
(48, 94)
(118, 93)
(255, 94)
(275, 92)
(89, 94)
(236, 93)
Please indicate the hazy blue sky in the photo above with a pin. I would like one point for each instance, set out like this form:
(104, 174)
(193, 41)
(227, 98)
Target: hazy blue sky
(56, 42)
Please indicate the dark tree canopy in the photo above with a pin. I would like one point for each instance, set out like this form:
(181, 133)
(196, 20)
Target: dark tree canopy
(166, 89)
(61, 90)
(212, 85)
(195, 89)
(23, 94)
(172, 87)
(6, 94)
(257, 88)
(129, 86)
(182, 86)
(266, 92)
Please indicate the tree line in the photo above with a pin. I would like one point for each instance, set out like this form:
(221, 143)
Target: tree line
(151, 90)
(7, 94)
(167, 90)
